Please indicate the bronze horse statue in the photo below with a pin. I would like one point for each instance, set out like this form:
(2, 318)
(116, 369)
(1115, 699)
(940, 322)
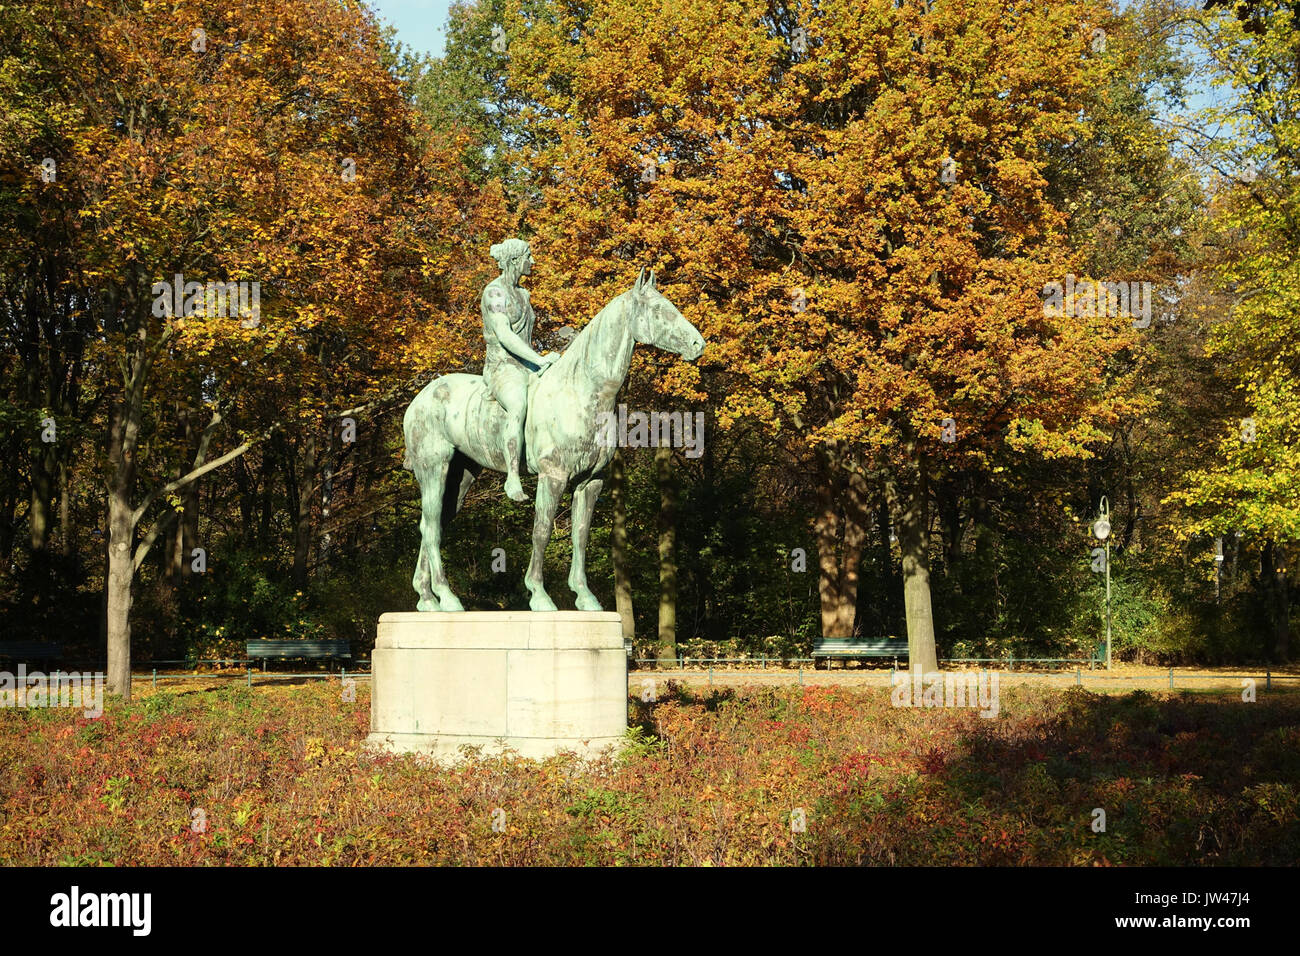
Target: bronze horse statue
(454, 429)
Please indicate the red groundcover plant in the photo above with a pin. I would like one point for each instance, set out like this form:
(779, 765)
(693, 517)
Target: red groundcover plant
(270, 776)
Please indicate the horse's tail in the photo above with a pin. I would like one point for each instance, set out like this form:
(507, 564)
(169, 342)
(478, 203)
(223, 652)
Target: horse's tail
(407, 463)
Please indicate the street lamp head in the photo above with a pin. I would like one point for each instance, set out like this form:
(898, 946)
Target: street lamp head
(1101, 528)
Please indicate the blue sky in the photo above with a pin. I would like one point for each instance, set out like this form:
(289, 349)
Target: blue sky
(419, 22)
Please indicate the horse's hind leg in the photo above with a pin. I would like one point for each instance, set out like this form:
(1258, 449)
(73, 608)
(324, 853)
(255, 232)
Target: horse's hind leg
(421, 581)
(433, 493)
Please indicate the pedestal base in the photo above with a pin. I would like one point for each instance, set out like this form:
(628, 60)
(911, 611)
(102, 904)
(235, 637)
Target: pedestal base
(539, 683)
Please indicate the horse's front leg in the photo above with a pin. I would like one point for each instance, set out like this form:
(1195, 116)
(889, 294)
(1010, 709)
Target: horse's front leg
(584, 503)
(550, 486)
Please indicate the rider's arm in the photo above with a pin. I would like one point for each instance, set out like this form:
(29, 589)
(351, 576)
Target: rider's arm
(510, 341)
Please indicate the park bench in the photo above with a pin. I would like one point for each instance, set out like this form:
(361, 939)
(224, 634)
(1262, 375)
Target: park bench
(1099, 655)
(265, 650)
(858, 648)
(30, 652)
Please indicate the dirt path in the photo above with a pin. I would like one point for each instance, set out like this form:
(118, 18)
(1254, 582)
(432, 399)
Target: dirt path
(1122, 679)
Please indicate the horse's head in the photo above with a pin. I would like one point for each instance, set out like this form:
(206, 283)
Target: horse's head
(656, 321)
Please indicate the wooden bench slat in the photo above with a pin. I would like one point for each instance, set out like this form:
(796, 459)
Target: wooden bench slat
(862, 647)
(295, 648)
(16, 649)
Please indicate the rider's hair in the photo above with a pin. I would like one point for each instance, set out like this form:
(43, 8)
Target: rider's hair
(507, 251)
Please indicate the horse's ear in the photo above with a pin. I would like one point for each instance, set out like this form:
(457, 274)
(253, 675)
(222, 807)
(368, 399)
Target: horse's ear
(640, 280)
(652, 278)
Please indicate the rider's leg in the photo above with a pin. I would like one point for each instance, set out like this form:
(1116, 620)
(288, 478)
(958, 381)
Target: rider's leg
(514, 398)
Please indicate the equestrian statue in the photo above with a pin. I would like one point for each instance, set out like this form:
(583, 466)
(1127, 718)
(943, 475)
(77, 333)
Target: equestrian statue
(542, 411)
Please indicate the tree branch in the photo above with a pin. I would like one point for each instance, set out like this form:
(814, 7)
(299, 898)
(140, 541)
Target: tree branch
(143, 549)
(198, 473)
(199, 469)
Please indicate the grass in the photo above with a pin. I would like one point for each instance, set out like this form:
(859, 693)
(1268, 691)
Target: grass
(280, 778)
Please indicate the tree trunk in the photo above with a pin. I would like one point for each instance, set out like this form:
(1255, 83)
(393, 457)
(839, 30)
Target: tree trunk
(951, 520)
(618, 546)
(38, 523)
(1276, 587)
(8, 524)
(187, 529)
(306, 479)
(667, 554)
(841, 530)
(246, 482)
(183, 538)
(266, 484)
(121, 574)
(912, 501)
(120, 543)
(65, 511)
(176, 555)
(325, 540)
(889, 580)
(827, 530)
(44, 466)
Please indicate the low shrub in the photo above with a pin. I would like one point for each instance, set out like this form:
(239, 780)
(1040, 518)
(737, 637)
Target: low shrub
(770, 776)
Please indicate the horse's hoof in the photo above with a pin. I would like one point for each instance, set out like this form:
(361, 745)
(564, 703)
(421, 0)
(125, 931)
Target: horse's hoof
(425, 606)
(515, 490)
(587, 602)
(541, 602)
(451, 603)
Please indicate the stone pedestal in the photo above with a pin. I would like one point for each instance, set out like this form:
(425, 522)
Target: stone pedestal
(536, 682)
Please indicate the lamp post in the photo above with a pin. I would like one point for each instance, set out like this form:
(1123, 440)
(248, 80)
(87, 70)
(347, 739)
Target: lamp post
(1101, 529)
(1218, 566)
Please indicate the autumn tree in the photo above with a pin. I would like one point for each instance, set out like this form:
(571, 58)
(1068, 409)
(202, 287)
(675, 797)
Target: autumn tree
(1251, 484)
(849, 200)
(45, 323)
(263, 141)
(1133, 207)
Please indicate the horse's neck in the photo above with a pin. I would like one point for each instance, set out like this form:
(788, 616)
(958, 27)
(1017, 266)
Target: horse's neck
(602, 352)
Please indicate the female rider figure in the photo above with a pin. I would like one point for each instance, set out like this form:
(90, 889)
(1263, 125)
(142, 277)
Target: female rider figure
(508, 328)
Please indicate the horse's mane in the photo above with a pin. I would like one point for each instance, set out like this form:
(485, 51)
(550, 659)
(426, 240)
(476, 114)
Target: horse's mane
(577, 356)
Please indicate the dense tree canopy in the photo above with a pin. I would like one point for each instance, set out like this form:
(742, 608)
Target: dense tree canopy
(862, 205)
